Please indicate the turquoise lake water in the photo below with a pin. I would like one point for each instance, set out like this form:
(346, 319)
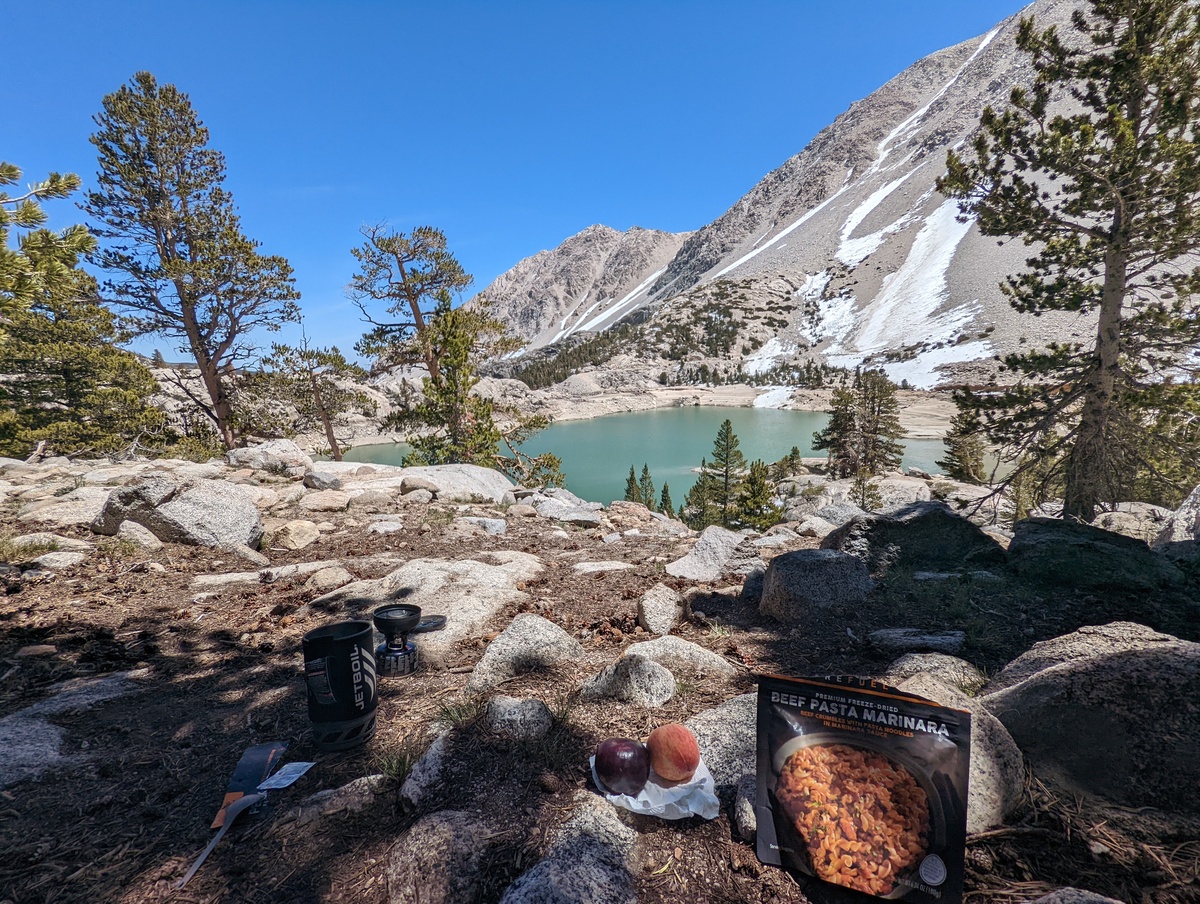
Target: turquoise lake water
(597, 453)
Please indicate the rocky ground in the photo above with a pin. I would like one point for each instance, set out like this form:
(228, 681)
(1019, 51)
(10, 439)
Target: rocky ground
(137, 671)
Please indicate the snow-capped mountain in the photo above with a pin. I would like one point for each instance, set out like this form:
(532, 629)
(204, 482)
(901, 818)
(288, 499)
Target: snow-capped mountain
(848, 243)
(587, 283)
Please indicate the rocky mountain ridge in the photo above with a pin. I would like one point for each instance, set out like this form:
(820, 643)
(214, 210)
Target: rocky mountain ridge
(587, 283)
(848, 241)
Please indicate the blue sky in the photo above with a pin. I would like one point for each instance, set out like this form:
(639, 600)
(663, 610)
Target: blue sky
(509, 125)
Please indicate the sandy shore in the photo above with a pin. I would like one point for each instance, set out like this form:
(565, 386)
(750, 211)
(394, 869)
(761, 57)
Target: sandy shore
(925, 415)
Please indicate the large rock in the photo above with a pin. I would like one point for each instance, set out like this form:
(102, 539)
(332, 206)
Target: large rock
(799, 584)
(897, 493)
(718, 552)
(296, 535)
(54, 541)
(997, 779)
(278, 456)
(566, 511)
(529, 642)
(441, 858)
(31, 743)
(522, 719)
(1139, 520)
(682, 657)
(1079, 555)
(632, 679)
(465, 483)
(322, 480)
(588, 862)
(1178, 537)
(659, 609)
(468, 592)
(195, 512)
(1109, 710)
(726, 736)
(949, 670)
(138, 535)
(325, 501)
(843, 511)
(77, 508)
(925, 535)
(424, 782)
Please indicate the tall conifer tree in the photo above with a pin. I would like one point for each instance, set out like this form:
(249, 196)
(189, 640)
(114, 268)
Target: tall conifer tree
(633, 492)
(42, 261)
(181, 266)
(665, 505)
(646, 488)
(1097, 166)
(756, 501)
(864, 426)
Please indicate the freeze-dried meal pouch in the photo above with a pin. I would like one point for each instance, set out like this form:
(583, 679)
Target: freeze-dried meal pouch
(863, 786)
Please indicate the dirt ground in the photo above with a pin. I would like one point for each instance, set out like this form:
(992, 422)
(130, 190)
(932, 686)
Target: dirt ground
(123, 819)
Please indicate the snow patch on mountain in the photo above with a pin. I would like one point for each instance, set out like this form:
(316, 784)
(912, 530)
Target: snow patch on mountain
(836, 318)
(922, 372)
(767, 356)
(774, 397)
(813, 286)
(852, 252)
(786, 232)
(903, 312)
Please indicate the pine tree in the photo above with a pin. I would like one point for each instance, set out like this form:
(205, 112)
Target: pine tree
(665, 505)
(43, 261)
(965, 448)
(865, 494)
(319, 384)
(633, 492)
(1095, 166)
(756, 506)
(864, 424)
(729, 467)
(65, 383)
(451, 424)
(646, 487)
(713, 498)
(181, 265)
(699, 509)
(411, 274)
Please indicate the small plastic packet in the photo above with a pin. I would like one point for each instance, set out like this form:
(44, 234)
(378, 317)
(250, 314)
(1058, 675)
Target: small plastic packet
(673, 800)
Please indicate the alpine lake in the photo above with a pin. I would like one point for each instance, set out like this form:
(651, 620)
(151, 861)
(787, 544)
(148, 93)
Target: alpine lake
(597, 452)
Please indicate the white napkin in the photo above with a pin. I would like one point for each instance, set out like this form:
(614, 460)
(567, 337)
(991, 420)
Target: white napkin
(696, 797)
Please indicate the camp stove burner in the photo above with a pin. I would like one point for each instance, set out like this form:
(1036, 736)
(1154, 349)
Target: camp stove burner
(397, 655)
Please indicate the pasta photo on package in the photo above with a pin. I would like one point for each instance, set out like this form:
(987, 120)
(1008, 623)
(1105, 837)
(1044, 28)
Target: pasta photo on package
(863, 786)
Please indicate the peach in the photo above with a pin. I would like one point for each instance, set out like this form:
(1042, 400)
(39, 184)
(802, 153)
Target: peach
(674, 754)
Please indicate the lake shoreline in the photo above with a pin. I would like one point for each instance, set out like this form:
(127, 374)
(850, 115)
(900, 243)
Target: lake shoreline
(923, 414)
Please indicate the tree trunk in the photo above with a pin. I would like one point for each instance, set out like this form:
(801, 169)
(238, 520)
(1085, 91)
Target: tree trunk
(222, 406)
(335, 451)
(1090, 465)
